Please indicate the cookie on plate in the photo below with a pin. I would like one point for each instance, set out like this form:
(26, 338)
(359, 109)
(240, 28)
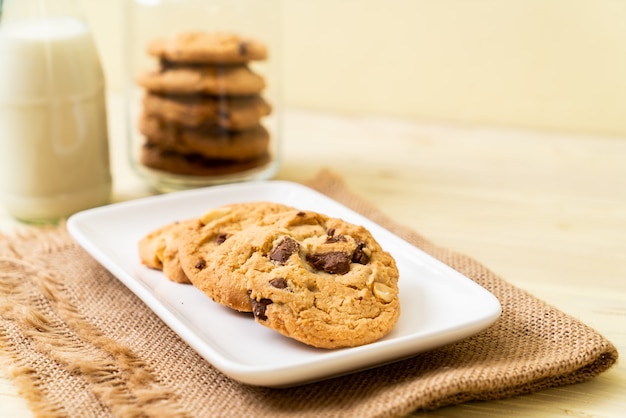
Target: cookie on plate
(208, 47)
(158, 251)
(199, 244)
(320, 280)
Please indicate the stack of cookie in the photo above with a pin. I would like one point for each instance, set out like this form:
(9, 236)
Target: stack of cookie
(319, 280)
(203, 106)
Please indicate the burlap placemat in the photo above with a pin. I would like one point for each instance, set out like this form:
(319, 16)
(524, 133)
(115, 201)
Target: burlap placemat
(78, 343)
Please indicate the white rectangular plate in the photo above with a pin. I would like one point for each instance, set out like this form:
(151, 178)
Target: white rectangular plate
(438, 304)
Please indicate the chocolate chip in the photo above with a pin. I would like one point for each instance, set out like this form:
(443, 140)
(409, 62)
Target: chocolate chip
(336, 238)
(284, 249)
(259, 307)
(165, 65)
(359, 256)
(243, 48)
(200, 264)
(301, 214)
(330, 232)
(279, 283)
(221, 238)
(334, 262)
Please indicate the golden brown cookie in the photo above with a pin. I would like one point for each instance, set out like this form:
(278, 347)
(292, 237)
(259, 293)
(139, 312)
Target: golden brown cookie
(208, 47)
(214, 228)
(235, 113)
(195, 164)
(157, 250)
(209, 141)
(320, 280)
(212, 80)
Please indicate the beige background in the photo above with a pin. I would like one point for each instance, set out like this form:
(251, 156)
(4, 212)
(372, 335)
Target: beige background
(538, 64)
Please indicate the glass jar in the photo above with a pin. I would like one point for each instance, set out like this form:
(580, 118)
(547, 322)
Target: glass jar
(54, 155)
(203, 91)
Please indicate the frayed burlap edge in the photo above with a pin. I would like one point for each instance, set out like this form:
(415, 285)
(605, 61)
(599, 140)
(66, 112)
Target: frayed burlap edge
(51, 327)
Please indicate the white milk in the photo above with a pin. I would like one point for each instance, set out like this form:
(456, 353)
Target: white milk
(54, 157)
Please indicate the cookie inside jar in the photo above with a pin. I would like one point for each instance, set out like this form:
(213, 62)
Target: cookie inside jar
(203, 109)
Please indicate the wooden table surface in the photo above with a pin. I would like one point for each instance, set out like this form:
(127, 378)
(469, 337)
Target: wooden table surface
(546, 211)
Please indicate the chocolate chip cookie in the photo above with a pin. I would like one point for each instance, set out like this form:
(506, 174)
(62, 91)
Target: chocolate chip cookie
(208, 47)
(158, 250)
(210, 141)
(199, 244)
(228, 112)
(320, 280)
(211, 80)
(195, 164)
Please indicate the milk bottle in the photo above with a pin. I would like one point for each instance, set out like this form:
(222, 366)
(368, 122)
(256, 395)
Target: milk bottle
(54, 156)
